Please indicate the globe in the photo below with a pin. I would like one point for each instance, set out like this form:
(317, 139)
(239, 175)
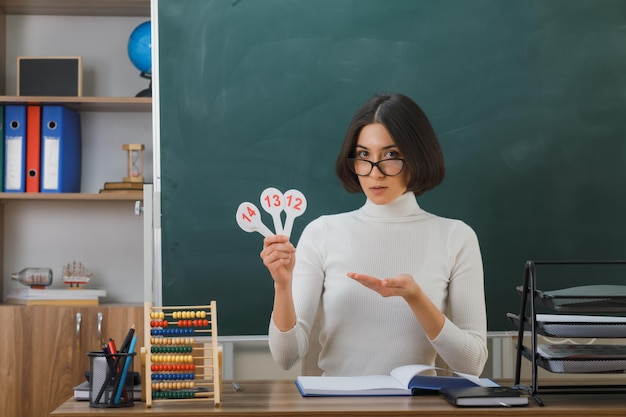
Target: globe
(140, 47)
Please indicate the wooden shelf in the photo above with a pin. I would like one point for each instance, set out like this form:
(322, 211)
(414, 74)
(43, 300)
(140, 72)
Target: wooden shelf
(100, 104)
(110, 221)
(69, 196)
(77, 7)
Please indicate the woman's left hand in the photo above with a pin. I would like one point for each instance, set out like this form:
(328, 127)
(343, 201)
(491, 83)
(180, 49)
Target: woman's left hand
(403, 285)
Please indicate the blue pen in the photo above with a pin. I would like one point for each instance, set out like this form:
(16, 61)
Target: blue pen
(131, 349)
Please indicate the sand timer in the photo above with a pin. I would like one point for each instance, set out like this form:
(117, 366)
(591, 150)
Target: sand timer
(134, 156)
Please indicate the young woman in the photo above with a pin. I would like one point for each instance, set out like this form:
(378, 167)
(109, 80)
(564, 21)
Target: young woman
(394, 284)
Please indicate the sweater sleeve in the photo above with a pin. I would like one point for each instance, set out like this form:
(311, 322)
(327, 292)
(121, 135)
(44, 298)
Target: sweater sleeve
(288, 347)
(462, 343)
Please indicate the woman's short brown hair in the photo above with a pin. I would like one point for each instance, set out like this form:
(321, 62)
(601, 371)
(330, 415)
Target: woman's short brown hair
(410, 130)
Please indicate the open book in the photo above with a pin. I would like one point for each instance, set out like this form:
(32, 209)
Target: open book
(404, 380)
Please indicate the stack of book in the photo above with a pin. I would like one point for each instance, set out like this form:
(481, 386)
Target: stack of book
(53, 296)
(123, 187)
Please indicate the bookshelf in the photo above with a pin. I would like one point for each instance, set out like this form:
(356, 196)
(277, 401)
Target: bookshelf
(77, 7)
(110, 116)
(67, 196)
(103, 231)
(83, 104)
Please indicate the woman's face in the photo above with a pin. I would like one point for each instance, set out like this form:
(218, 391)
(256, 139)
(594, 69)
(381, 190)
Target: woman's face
(375, 144)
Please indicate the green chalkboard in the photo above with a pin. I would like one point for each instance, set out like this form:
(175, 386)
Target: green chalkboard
(528, 99)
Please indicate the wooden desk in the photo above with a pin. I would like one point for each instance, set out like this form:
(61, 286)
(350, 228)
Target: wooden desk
(281, 398)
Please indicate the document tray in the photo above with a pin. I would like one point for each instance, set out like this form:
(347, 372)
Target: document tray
(597, 364)
(583, 299)
(574, 326)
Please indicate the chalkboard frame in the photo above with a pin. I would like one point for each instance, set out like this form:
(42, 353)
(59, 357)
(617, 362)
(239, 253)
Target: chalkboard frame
(525, 97)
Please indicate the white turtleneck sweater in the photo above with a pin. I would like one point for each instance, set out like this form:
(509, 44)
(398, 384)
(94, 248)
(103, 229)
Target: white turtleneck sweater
(363, 333)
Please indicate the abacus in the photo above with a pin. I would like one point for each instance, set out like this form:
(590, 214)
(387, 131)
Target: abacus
(178, 366)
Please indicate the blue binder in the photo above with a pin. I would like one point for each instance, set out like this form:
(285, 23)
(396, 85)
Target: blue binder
(15, 149)
(61, 153)
(2, 146)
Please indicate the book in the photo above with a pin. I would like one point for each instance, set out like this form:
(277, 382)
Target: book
(484, 397)
(53, 296)
(24, 302)
(138, 193)
(404, 380)
(81, 392)
(123, 185)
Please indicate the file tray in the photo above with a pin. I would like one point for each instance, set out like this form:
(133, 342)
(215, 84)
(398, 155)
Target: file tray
(575, 325)
(593, 358)
(583, 299)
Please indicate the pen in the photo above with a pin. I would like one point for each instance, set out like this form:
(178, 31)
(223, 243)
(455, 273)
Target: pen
(236, 387)
(112, 348)
(122, 379)
(109, 358)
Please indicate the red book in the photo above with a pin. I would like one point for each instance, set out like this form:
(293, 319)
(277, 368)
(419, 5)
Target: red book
(33, 148)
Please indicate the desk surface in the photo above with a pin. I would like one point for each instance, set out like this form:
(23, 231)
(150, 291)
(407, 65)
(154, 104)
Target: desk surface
(265, 398)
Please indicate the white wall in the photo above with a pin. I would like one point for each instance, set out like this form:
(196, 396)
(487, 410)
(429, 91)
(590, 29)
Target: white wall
(101, 41)
(105, 237)
(252, 360)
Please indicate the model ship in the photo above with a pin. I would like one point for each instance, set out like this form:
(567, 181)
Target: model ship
(75, 274)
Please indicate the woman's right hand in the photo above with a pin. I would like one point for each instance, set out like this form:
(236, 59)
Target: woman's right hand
(279, 257)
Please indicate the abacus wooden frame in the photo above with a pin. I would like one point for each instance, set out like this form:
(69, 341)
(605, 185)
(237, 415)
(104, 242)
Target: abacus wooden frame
(216, 374)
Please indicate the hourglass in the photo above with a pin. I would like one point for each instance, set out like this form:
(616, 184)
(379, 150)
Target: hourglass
(134, 156)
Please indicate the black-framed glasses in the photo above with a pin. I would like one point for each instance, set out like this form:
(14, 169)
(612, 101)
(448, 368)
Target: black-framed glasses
(388, 167)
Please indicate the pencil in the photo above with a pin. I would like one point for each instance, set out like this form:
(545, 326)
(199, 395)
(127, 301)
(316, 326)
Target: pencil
(125, 344)
(129, 337)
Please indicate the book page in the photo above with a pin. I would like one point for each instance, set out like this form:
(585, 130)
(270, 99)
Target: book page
(347, 383)
(404, 374)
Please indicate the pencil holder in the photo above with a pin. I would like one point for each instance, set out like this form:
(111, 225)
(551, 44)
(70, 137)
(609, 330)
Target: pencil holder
(111, 384)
